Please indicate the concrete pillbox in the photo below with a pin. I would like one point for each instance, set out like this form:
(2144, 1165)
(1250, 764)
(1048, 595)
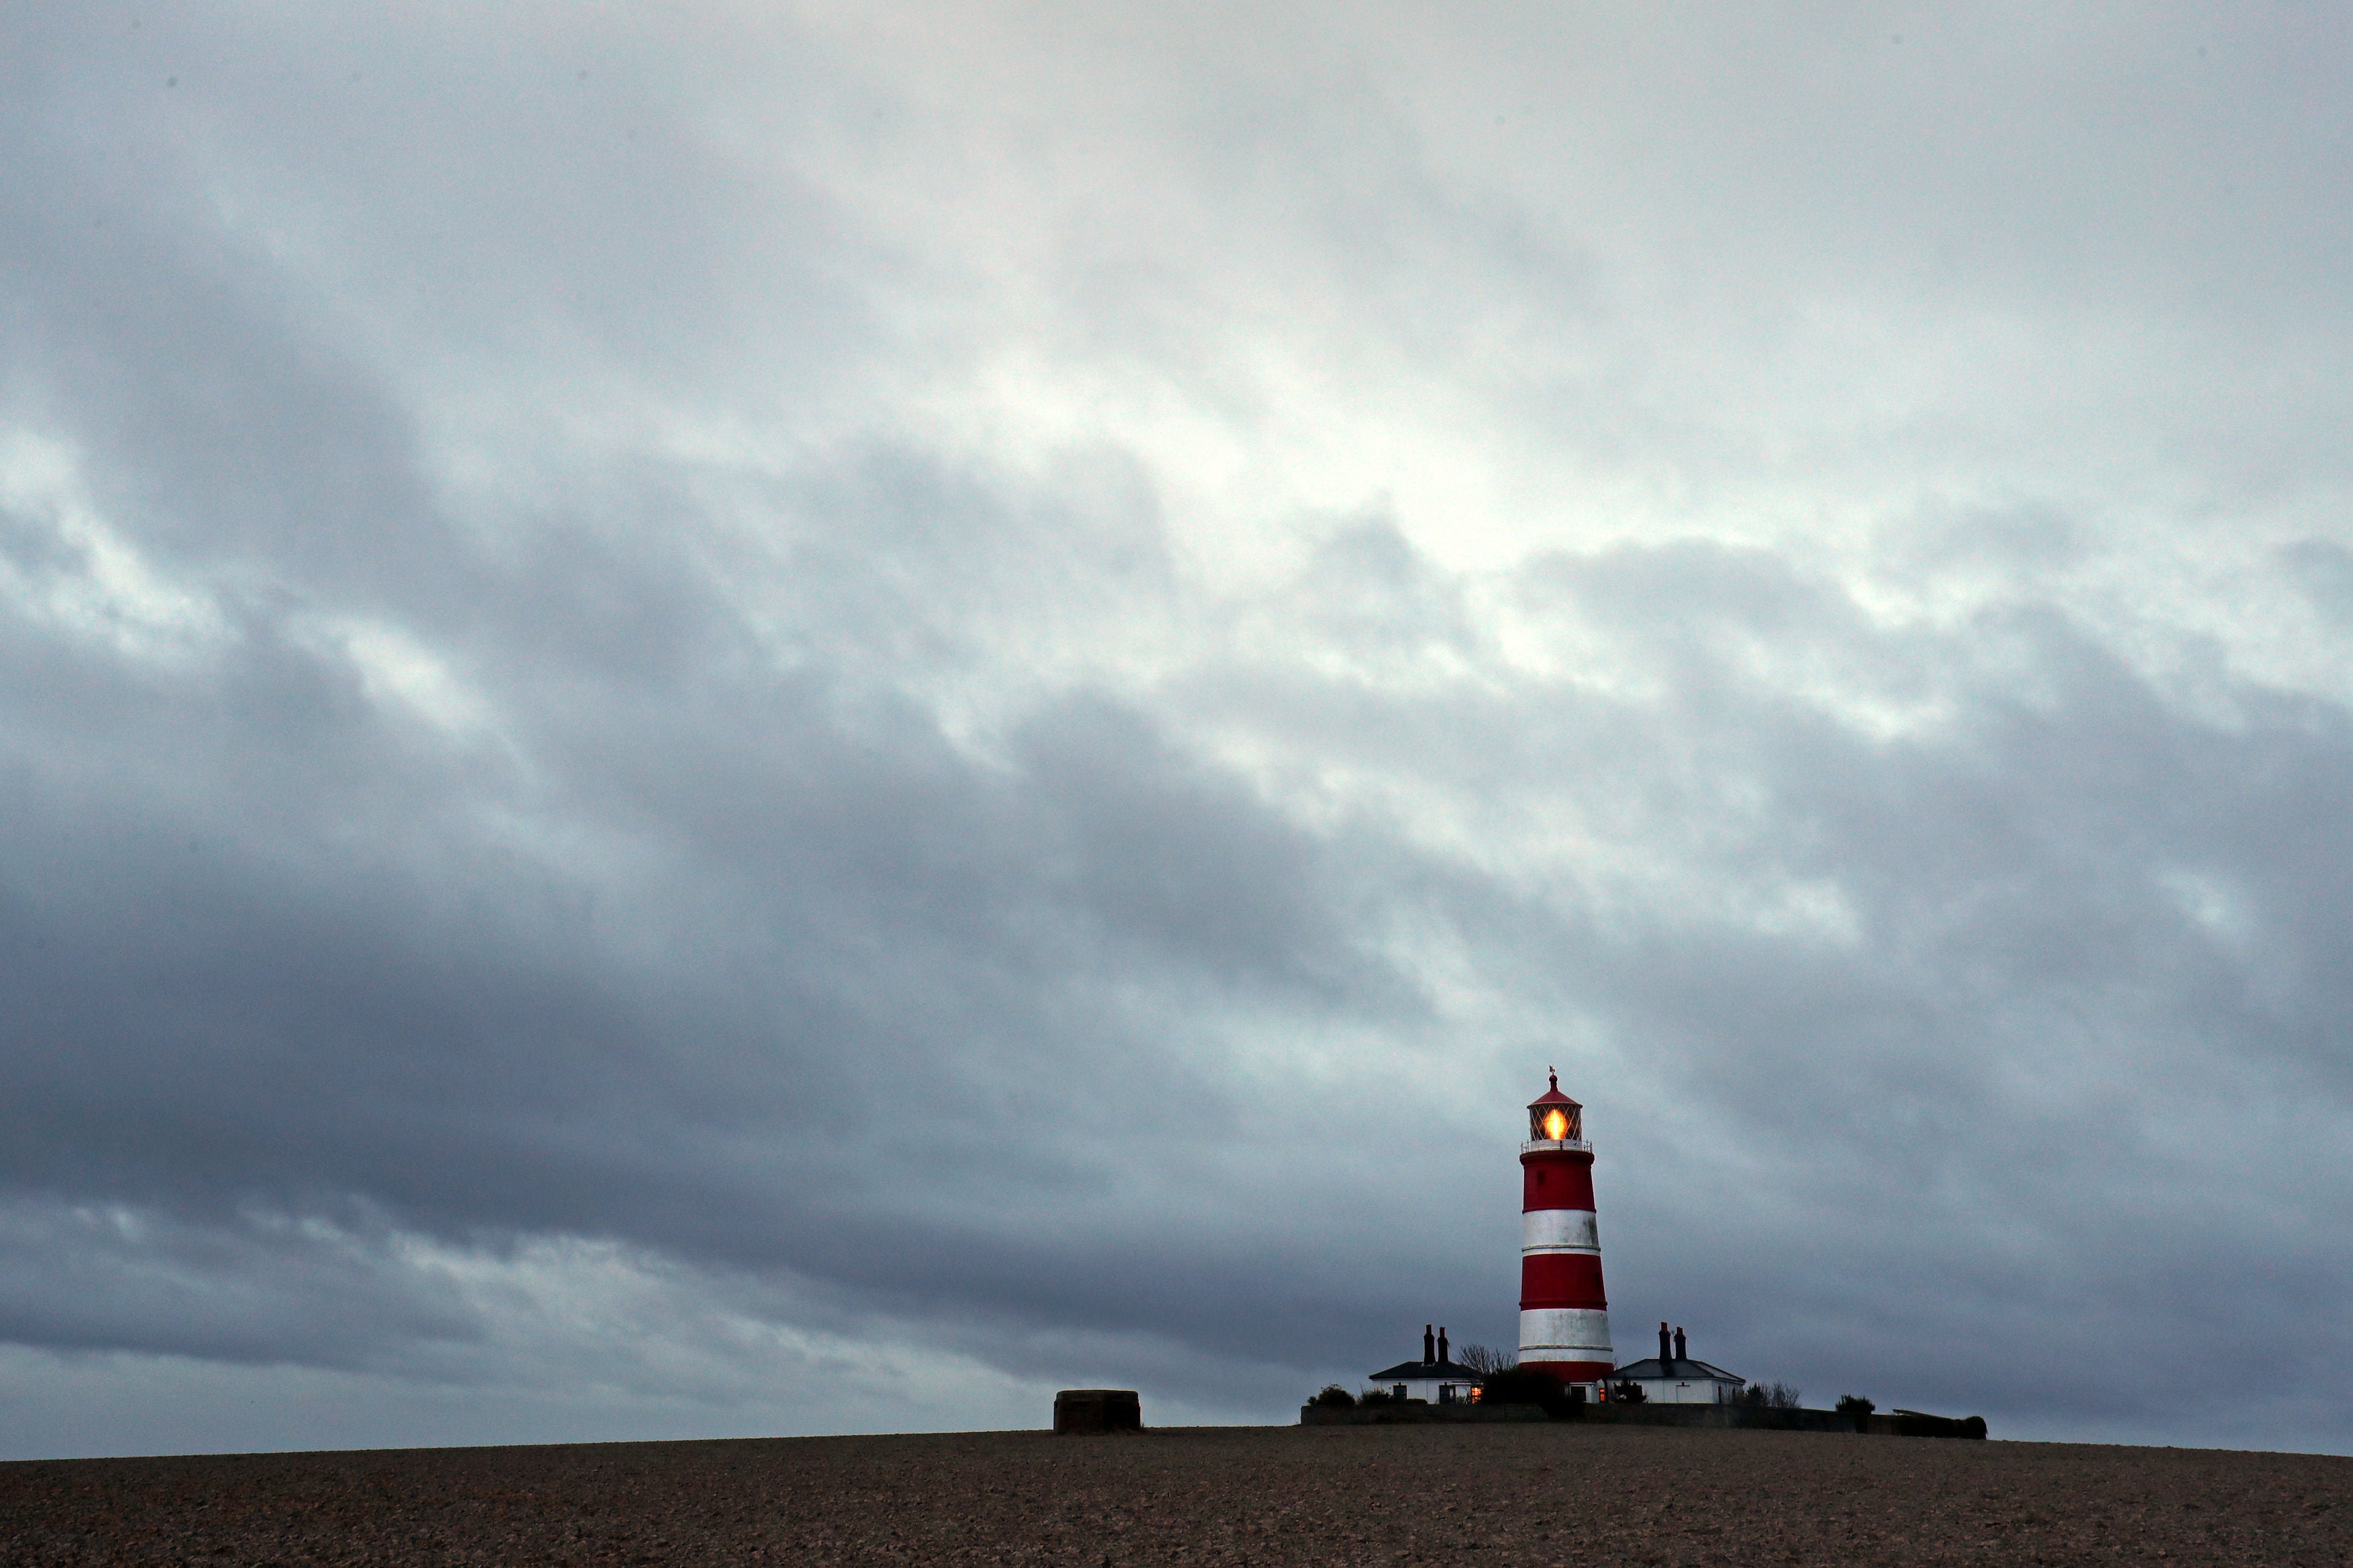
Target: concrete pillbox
(1098, 1410)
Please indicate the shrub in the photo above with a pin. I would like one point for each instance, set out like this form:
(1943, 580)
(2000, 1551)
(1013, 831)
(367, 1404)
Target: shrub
(1628, 1392)
(1777, 1395)
(1517, 1385)
(1334, 1397)
(1854, 1405)
(1376, 1397)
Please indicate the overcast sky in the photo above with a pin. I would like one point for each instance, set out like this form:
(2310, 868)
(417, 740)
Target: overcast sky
(731, 719)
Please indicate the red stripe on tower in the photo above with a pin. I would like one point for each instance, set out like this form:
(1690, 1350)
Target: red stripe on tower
(1564, 1316)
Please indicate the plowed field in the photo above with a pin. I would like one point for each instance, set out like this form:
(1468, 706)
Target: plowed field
(1538, 1494)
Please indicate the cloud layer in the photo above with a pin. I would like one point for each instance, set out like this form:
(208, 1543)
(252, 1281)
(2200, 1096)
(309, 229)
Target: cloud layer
(771, 721)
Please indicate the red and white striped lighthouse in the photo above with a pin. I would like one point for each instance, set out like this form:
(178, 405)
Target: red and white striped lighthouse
(1564, 1316)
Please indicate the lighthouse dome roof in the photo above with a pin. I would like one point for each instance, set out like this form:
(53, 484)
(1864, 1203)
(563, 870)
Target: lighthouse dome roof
(1552, 1096)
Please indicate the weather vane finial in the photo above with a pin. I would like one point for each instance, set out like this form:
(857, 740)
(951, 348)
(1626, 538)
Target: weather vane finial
(1554, 1074)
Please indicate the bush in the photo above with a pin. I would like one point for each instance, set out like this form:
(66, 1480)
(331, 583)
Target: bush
(1334, 1397)
(1517, 1385)
(1377, 1396)
(1854, 1405)
(1628, 1392)
(1775, 1395)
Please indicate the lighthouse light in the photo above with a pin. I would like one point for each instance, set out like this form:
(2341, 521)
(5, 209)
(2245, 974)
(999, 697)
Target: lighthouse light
(1555, 1125)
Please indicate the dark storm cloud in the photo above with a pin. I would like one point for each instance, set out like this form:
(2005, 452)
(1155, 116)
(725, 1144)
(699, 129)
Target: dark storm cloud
(850, 933)
(298, 973)
(2019, 1062)
(92, 1278)
(479, 786)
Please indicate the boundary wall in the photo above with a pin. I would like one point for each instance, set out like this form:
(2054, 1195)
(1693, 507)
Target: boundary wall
(1722, 1417)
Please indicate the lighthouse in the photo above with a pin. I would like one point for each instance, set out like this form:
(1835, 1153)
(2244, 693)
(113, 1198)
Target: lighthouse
(1564, 1316)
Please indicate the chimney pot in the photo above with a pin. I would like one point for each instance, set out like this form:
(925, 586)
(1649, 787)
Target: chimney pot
(1681, 1353)
(1444, 1355)
(1428, 1344)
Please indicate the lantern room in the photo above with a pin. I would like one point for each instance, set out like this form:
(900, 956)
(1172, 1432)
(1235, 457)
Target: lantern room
(1554, 1117)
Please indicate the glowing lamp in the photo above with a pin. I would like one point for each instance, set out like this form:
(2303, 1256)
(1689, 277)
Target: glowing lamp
(1554, 1117)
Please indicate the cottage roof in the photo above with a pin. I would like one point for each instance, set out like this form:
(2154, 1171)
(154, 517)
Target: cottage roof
(1679, 1370)
(1412, 1370)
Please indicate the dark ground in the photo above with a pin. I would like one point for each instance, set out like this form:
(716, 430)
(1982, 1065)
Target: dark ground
(1495, 1494)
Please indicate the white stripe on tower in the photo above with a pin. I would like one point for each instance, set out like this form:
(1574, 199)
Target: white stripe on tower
(1560, 1230)
(1566, 1334)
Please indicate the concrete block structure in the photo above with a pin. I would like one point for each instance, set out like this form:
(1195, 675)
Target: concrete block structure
(1083, 1410)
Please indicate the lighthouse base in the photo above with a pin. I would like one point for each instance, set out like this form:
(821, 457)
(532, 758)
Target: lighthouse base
(1566, 1336)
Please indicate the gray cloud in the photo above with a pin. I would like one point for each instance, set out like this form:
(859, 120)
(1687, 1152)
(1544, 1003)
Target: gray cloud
(769, 727)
